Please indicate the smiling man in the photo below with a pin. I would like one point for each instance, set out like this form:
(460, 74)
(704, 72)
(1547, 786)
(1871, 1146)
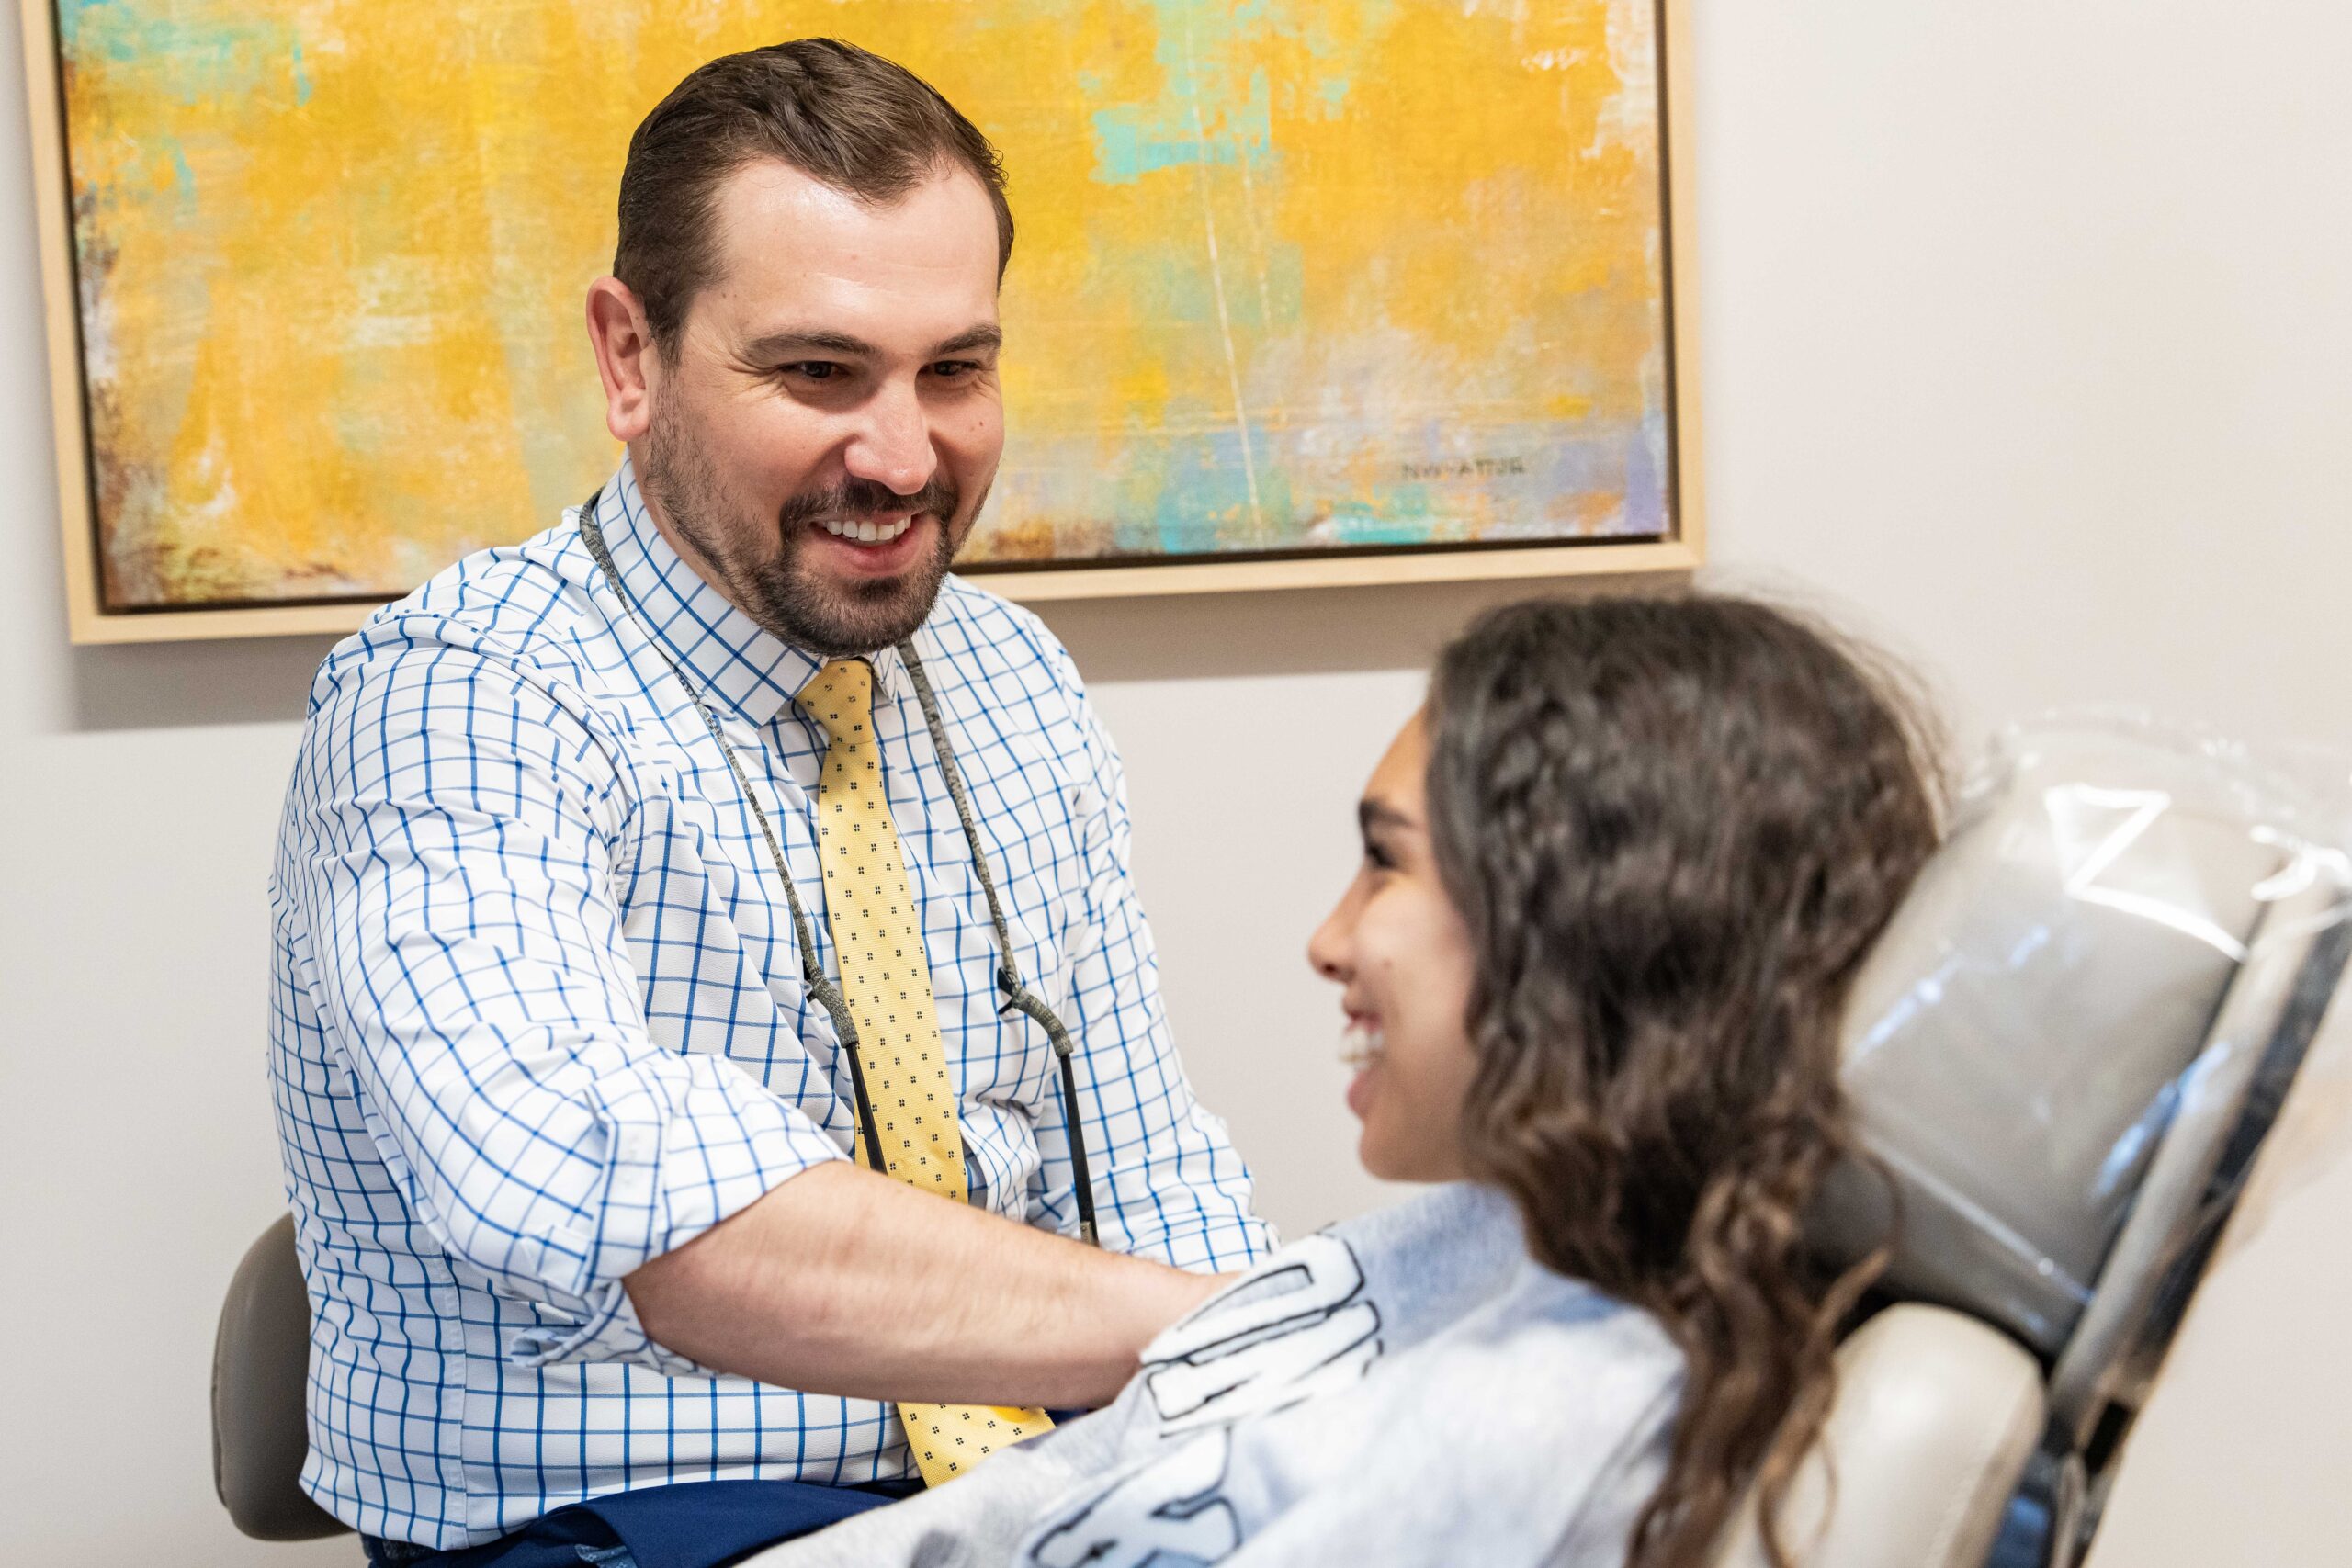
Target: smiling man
(652, 895)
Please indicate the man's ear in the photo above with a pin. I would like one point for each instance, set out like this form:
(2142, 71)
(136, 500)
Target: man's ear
(625, 358)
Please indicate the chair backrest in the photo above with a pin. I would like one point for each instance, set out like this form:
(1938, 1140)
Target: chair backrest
(1934, 1417)
(260, 1364)
(2171, 1207)
(2240, 1449)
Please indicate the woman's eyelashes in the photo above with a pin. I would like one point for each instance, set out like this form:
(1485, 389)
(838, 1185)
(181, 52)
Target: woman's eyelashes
(1387, 835)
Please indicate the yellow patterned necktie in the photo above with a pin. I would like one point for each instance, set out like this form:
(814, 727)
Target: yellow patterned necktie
(886, 979)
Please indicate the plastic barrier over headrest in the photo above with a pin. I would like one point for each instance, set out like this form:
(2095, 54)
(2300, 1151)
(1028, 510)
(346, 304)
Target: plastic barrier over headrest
(2018, 1041)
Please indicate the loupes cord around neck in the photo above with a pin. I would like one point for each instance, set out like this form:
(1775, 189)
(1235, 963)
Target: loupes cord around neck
(827, 995)
(1018, 997)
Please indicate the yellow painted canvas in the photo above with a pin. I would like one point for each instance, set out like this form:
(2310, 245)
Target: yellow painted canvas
(1293, 276)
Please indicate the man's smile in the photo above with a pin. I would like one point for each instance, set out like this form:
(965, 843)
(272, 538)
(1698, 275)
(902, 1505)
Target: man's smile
(872, 547)
(868, 531)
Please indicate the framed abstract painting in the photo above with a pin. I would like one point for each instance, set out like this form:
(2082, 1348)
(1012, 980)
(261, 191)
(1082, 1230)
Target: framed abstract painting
(1306, 292)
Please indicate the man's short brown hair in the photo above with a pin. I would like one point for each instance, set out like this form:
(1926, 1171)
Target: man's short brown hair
(831, 110)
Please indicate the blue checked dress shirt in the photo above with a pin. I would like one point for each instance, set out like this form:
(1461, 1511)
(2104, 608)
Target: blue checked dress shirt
(538, 1016)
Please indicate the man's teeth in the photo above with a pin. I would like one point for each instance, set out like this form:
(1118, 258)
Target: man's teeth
(869, 532)
(1360, 1044)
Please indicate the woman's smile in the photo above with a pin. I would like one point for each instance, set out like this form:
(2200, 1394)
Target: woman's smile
(1398, 949)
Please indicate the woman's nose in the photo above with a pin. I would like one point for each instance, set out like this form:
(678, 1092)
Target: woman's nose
(1326, 949)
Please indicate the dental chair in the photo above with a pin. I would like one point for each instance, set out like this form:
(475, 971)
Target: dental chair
(2064, 1054)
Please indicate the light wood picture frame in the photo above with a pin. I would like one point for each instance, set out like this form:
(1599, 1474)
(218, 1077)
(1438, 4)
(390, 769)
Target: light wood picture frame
(1569, 335)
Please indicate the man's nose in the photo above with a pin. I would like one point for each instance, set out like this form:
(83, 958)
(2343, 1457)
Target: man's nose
(893, 447)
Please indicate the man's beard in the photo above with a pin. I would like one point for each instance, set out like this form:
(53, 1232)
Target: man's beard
(833, 620)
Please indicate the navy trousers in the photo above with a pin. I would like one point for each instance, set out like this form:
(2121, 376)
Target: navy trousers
(699, 1524)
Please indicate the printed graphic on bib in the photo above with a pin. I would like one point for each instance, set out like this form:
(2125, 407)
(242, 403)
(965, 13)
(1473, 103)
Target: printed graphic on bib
(1299, 1329)
(1165, 1515)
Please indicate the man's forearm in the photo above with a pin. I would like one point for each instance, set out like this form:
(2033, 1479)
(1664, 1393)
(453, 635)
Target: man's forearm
(845, 1282)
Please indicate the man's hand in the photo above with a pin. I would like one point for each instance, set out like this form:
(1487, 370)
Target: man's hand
(843, 1281)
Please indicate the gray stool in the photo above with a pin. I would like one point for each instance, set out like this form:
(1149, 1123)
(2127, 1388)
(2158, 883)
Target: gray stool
(260, 1363)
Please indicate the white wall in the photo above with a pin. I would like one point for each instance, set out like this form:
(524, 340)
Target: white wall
(2026, 340)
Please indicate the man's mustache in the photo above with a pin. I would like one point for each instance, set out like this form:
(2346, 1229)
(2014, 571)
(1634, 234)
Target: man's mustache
(859, 501)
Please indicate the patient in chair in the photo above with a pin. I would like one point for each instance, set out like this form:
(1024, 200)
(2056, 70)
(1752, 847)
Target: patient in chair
(1618, 873)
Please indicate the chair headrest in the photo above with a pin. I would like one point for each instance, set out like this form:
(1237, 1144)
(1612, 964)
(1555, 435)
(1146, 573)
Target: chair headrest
(2016, 1042)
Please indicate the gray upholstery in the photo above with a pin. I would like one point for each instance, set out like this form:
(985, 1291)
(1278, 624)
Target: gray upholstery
(260, 1362)
(1934, 1417)
(2014, 1036)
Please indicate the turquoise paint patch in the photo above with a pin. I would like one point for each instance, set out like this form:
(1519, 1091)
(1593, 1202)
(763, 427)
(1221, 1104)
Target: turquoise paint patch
(1404, 520)
(193, 62)
(1126, 148)
(1204, 506)
(1180, 496)
(1197, 118)
(69, 23)
(1134, 140)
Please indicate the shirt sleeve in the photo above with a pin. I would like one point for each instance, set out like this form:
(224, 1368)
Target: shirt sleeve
(1168, 1183)
(454, 824)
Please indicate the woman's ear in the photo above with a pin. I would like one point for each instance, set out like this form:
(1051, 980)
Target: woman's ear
(625, 357)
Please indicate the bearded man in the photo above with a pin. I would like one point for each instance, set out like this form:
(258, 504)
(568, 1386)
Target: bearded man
(667, 908)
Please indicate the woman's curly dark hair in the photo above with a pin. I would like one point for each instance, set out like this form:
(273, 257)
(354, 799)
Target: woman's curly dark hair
(1673, 826)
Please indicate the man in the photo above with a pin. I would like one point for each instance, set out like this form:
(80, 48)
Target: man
(596, 1264)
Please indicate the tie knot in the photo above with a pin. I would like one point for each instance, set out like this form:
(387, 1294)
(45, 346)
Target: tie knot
(840, 697)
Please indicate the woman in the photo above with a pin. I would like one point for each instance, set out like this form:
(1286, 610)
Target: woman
(1618, 875)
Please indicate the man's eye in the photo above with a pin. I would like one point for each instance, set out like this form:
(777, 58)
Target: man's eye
(953, 369)
(813, 371)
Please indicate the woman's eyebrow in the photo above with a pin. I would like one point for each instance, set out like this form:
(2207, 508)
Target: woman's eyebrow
(1373, 813)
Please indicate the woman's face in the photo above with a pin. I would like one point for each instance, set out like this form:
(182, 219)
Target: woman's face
(1401, 955)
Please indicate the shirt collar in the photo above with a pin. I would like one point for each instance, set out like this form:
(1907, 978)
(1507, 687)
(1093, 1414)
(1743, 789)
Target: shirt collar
(735, 661)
